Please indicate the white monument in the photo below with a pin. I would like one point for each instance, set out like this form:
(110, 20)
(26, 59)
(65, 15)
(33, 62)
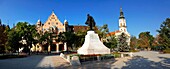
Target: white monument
(93, 45)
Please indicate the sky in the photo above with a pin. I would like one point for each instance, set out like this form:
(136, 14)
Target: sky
(141, 15)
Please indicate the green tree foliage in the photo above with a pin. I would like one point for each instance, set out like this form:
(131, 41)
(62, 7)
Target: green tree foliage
(111, 42)
(80, 38)
(156, 45)
(108, 40)
(145, 40)
(122, 43)
(164, 33)
(103, 31)
(43, 38)
(21, 30)
(69, 37)
(3, 37)
(133, 42)
(13, 40)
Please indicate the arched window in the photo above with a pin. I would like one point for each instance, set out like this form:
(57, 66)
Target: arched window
(120, 24)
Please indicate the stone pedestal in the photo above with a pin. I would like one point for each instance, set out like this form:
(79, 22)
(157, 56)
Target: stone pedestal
(75, 61)
(93, 45)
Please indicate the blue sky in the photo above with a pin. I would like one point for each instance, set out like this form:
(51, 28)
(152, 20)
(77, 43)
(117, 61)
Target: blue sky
(141, 15)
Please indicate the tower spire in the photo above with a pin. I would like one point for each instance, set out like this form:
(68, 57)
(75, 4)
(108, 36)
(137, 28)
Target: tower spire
(121, 13)
(53, 11)
(122, 22)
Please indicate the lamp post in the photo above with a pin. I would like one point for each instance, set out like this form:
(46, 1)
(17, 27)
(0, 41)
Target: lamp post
(23, 41)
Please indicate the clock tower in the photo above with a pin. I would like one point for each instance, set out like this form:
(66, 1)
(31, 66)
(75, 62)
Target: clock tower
(122, 22)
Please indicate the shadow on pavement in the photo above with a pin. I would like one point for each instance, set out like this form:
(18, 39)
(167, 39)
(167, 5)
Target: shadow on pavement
(143, 63)
(29, 62)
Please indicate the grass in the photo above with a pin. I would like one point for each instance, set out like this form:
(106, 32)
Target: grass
(116, 55)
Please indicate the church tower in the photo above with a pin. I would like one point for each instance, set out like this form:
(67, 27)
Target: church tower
(39, 23)
(122, 22)
(39, 26)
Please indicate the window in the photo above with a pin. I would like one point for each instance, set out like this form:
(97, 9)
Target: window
(120, 24)
(48, 23)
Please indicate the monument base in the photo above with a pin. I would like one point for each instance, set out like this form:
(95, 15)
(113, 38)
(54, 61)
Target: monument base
(93, 45)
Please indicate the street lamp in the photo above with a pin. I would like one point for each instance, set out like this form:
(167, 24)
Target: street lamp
(24, 42)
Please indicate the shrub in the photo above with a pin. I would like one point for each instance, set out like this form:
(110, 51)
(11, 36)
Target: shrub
(116, 55)
(134, 51)
(12, 56)
(166, 50)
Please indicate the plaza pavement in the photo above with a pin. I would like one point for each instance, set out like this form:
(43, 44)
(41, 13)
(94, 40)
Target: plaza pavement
(144, 60)
(141, 60)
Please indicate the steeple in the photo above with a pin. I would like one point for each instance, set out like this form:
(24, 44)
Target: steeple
(121, 14)
(122, 22)
(65, 21)
(39, 22)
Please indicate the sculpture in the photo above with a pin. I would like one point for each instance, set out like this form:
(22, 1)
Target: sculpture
(90, 22)
(92, 44)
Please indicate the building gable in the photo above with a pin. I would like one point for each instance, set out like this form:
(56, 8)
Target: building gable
(53, 22)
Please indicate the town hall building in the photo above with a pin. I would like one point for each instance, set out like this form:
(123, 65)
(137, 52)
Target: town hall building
(54, 26)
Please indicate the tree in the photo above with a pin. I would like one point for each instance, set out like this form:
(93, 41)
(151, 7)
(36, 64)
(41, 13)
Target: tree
(68, 37)
(22, 30)
(111, 42)
(156, 45)
(80, 38)
(3, 37)
(102, 32)
(30, 35)
(145, 40)
(13, 40)
(133, 43)
(122, 43)
(107, 39)
(164, 33)
(44, 40)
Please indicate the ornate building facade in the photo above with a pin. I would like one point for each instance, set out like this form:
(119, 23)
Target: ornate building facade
(54, 26)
